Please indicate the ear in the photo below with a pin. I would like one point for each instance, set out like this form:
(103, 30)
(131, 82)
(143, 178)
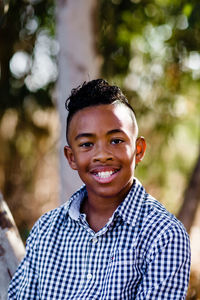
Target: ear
(70, 157)
(140, 149)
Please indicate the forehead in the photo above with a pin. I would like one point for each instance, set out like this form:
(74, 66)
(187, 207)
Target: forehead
(103, 118)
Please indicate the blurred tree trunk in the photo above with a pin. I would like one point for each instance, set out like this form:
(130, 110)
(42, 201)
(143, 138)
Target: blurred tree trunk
(78, 62)
(191, 198)
(11, 248)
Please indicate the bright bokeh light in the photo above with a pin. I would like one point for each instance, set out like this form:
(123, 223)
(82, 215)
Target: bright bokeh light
(193, 61)
(182, 22)
(20, 64)
(32, 25)
(44, 69)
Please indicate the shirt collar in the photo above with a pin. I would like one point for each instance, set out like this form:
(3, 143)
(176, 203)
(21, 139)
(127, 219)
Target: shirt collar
(128, 210)
(74, 203)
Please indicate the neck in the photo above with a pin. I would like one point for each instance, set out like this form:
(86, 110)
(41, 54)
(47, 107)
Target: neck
(99, 209)
(97, 214)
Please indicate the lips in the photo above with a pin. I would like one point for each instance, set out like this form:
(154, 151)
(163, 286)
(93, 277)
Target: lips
(104, 175)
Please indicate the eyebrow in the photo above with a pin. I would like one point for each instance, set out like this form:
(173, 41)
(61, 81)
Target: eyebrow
(84, 135)
(114, 131)
(110, 132)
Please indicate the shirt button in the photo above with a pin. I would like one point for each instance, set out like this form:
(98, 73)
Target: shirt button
(89, 276)
(94, 240)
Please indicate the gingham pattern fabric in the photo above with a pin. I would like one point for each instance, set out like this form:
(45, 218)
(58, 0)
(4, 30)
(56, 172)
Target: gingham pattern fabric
(142, 253)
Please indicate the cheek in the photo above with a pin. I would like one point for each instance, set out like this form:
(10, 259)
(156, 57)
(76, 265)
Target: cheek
(81, 160)
(128, 154)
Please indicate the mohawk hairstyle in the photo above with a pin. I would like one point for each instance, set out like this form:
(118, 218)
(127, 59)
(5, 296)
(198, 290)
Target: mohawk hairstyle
(93, 93)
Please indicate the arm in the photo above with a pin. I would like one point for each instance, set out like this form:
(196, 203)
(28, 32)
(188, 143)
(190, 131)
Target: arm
(24, 284)
(168, 266)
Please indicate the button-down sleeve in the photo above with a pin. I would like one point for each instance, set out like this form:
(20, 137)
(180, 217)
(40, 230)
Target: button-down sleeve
(24, 284)
(167, 271)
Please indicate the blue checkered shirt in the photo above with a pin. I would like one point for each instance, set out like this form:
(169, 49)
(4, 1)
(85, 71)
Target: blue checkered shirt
(143, 252)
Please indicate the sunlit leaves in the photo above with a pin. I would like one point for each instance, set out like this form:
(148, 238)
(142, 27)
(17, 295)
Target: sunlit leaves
(28, 72)
(161, 40)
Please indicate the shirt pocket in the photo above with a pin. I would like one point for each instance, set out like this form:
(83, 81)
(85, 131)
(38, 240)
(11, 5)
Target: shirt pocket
(126, 256)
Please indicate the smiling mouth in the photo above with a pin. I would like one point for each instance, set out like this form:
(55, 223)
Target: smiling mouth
(105, 174)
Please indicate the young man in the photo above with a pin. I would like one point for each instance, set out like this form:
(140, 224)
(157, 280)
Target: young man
(111, 240)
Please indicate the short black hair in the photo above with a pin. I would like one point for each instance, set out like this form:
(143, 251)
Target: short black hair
(93, 93)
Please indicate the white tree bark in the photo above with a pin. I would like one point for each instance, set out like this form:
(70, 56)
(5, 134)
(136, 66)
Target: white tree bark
(11, 248)
(78, 62)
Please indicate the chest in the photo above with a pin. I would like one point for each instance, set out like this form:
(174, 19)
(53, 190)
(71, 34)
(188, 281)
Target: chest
(81, 265)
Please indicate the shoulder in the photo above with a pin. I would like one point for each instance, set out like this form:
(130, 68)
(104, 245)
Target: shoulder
(51, 221)
(156, 214)
(147, 215)
(54, 224)
(53, 216)
(151, 214)
(161, 229)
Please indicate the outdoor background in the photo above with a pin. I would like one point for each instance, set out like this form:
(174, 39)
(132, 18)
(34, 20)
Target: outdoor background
(150, 48)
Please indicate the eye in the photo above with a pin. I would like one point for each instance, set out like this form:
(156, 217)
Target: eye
(116, 141)
(86, 145)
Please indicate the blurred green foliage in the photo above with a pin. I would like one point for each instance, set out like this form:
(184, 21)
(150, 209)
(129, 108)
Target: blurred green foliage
(27, 30)
(151, 48)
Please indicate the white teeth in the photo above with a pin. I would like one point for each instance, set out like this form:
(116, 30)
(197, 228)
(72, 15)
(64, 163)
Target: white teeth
(105, 174)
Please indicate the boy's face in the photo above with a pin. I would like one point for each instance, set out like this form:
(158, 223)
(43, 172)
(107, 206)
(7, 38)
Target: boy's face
(104, 149)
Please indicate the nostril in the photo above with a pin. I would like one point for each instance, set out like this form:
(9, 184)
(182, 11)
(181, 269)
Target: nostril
(103, 157)
(102, 153)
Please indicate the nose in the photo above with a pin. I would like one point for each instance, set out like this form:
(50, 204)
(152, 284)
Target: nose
(102, 153)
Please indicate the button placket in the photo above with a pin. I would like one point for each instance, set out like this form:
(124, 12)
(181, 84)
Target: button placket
(94, 240)
(91, 248)
(89, 276)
